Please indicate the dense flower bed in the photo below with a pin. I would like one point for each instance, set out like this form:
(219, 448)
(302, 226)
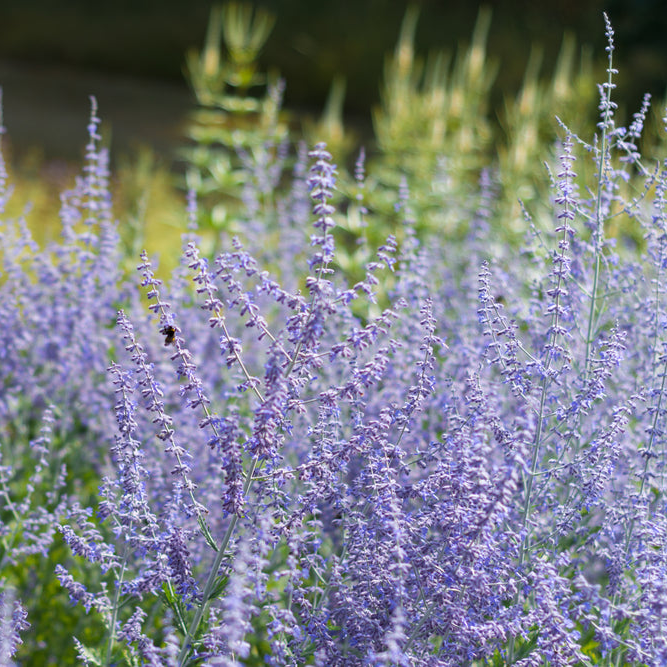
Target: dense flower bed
(458, 459)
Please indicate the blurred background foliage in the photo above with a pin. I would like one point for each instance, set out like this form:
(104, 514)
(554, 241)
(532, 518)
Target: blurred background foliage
(312, 42)
(136, 50)
(433, 90)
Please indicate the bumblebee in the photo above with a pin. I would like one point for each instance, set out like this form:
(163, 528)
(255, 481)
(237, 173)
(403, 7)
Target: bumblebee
(168, 332)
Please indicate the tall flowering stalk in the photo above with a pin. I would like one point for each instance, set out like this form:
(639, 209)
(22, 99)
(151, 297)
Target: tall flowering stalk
(306, 329)
(606, 126)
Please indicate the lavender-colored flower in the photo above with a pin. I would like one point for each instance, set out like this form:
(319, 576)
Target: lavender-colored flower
(13, 621)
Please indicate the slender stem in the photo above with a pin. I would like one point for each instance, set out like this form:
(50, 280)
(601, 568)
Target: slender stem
(222, 549)
(213, 574)
(114, 613)
(599, 226)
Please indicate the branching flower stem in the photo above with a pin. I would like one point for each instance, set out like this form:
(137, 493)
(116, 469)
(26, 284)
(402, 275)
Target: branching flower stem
(603, 163)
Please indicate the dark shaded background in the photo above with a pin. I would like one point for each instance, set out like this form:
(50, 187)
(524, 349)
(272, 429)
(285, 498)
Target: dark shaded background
(130, 54)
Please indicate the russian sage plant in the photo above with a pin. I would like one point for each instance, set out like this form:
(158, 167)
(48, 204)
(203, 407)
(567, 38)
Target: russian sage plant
(259, 462)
